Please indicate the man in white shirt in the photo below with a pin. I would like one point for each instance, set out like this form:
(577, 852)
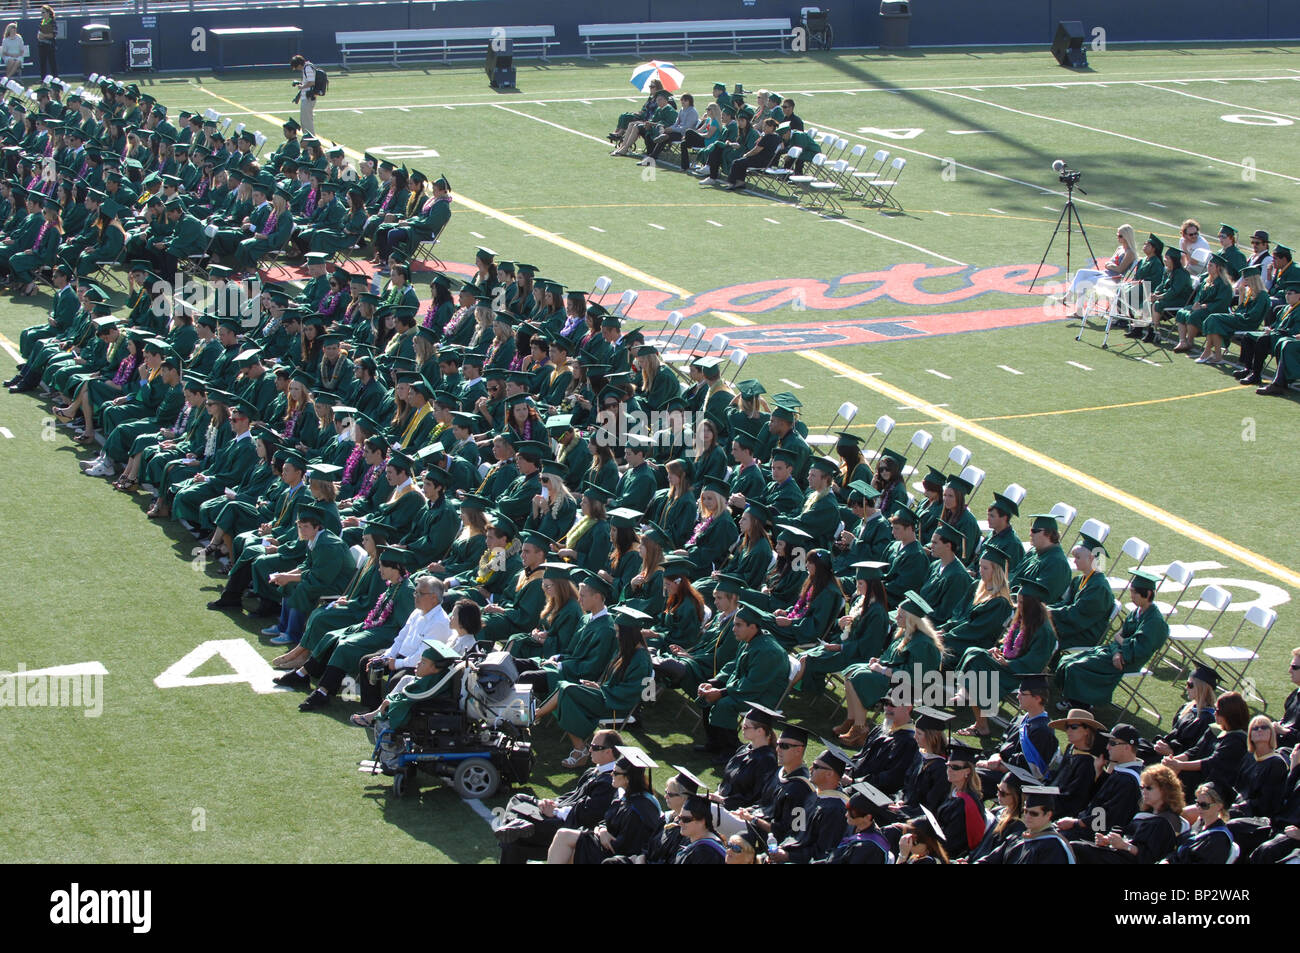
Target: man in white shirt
(426, 621)
(1191, 241)
(307, 100)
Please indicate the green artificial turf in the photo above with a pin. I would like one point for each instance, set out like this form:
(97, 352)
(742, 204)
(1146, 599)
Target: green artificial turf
(87, 577)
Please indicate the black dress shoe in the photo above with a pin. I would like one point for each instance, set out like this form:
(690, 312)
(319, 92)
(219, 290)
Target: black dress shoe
(317, 699)
(224, 603)
(265, 607)
(1270, 390)
(1251, 379)
(293, 679)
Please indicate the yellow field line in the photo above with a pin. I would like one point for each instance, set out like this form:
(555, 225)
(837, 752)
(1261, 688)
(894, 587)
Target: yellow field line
(1016, 449)
(1062, 413)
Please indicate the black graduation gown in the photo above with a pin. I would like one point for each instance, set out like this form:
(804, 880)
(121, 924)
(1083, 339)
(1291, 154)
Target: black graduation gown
(959, 827)
(1117, 800)
(588, 803)
(1045, 848)
(631, 821)
(825, 829)
(662, 847)
(994, 839)
(785, 795)
(928, 786)
(887, 758)
(1223, 766)
(1210, 846)
(746, 776)
(1077, 779)
(706, 850)
(1288, 734)
(1041, 737)
(1261, 786)
(1154, 835)
(857, 847)
(1189, 726)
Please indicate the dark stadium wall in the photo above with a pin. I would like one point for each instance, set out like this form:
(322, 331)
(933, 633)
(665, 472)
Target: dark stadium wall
(856, 24)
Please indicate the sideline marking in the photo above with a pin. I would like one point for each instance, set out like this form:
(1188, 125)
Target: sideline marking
(931, 370)
(1041, 190)
(1082, 367)
(6, 433)
(1120, 135)
(10, 348)
(1220, 102)
(660, 227)
(897, 241)
(554, 125)
(1011, 370)
(871, 382)
(786, 380)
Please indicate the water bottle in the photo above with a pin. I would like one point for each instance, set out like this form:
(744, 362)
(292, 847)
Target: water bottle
(772, 845)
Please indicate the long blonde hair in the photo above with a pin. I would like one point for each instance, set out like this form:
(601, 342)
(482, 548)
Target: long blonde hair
(1127, 237)
(997, 586)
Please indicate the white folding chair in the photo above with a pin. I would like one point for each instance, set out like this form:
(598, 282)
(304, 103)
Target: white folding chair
(693, 337)
(598, 290)
(847, 412)
(975, 477)
(625, 302)
(1185, 639)
(1235, 659)
(863, 178)
(921, 440)
(1065, 514)
(671, 324)
(1095, 529)
(822, 191)
(798, 182)
(738, 357)
(882, 190)
(958, 456)
(1178, 574)
(1135, 549)
(1015, 493)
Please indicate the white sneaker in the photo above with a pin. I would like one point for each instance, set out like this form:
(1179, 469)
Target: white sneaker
(100, 470)
(646, 161)
(91, 464)
(708, 181)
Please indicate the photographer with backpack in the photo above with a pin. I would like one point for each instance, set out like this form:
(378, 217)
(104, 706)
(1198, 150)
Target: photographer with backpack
(313, 84)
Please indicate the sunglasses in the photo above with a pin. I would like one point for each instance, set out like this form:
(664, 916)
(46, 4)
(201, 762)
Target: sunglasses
(787, 745)
(1262, 728)
(596, 747)
(686, 818)
(736, 848)
(1191, 234)
(1205, 805)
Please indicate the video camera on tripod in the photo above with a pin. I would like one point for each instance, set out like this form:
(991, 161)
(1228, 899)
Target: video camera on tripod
(1068, 177)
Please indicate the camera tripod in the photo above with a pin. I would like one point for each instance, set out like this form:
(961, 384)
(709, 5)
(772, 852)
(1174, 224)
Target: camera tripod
(1070, 217)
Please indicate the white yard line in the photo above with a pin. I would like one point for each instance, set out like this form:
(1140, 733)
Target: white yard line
(1252, 108)
(1119, 135)
(553, 125)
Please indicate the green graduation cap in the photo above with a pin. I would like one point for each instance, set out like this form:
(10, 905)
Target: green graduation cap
(1090, 543)
(1044, 521)
(960, 484)
(438, 651)
(589, 579)
(904, 514)
(895, 456)
(1005, 505)
(825, 464)
(870, 569)
(596, 492)
(913, 603)
(949, 533)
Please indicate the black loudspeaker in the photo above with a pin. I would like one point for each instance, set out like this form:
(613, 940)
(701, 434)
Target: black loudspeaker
(1067, 47)
(498, 65)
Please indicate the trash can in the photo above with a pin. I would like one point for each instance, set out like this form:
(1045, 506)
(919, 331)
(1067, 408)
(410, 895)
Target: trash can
(895, 21)
(98, 52)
